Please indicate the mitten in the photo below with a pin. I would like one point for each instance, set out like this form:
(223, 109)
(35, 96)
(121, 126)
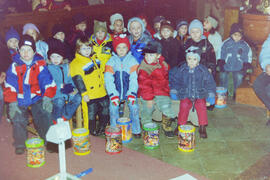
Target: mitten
(13, 109)
(173, 94)
(115, 100)
(131, 99)
(47, 104)
(68, 88)
(220, 65)
(247, 67)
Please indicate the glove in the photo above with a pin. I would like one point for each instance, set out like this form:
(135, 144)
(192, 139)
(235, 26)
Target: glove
(247, 67)
(220, 65)
(47, 104)
(173, 94)
(131, 99)
(211, 100)
(13, 109)
(115, 100)
(68, 88)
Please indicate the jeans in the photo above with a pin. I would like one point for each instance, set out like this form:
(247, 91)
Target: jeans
(42, 122)
(61, 107)
(133, 115)
(1, 102)
(261, 87)
(237, 79)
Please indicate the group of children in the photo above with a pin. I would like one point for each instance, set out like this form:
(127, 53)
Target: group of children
(134, 66)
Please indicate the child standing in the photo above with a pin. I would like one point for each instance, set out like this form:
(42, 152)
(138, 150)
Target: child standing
(154, 87)
(193, 83)
(137, 38)
(89, 80)
(121, 82)
(235, 57)
(182, 29)
(12, 40)
(102, 43)
(117, 25)
(28, 84)
(67, 98)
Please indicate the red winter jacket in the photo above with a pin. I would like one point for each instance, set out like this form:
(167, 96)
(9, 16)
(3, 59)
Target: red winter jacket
(153, 79)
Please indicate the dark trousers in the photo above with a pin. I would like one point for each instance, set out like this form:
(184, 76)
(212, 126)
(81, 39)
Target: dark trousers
(261, 87)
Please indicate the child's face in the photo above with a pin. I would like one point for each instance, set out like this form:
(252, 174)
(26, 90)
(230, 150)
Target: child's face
(237, 36)
(121, 49)
(33, 33)
(207, 25)
(192, 62)
(118, 26)
(60, 36)
(12, 43)
(81, 26)
(56, 58)
(136, 29)
(182, 31)
(85, 50)
(100, 34)
(157, 26)
(26, 53)
(43, 2)
(166, 33)
(196, 34)
(151, 57)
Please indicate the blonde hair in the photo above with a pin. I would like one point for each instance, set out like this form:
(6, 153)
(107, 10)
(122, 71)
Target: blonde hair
(83, 41)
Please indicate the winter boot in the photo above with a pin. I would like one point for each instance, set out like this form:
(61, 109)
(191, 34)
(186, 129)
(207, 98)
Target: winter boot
(202, 131)
(166, 126)
(92, 127)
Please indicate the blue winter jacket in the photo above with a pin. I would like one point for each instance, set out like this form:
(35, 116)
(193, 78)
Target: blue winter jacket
(235, 54)
(42, 48)
(265, 53)
(193, 84)
(121, 76)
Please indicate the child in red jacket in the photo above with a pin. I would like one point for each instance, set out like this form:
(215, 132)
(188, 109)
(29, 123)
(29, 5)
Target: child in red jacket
(154, 87)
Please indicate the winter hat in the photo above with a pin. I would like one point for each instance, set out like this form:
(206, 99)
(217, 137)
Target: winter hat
(181, 23)
(12, 33)
(57, 28)
(115, 17)
(138, 20)
(166, 24)
(213, 21)
(56, 46)
(122, 38)
(158, 19)
(27, 41)
(28, 26)
(194, 51)
(195, 24)
(236, 27)
(153, 47)
(78, 18)
(100, 25)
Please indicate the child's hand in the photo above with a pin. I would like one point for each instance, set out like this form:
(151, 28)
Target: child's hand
(149, 104)
(267, 69)
(210, 70)
(86, 98)
(2, 77)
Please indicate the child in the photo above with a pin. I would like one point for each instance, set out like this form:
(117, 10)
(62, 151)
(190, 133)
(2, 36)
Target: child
(102, 43)
(261, 85)
(28, 84)
(41, 46)
(117, 25)
(121, 82)
(182, 28)
(210, 25)
(154, 87)
(89, 80)
(193, 83)
(12, 40)
(45, 5)
(148, 29)
(235, 57)
(67, 98)
(137, 38)
(157, 20)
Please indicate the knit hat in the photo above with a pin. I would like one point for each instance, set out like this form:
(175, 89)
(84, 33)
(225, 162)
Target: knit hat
(56, 46)
(138, 20)
(195, 24)
(158, 19)
(115, 17)
(28, 26)
(57, 28)
(27, 41)
(122, 38)
(12, 33)
(166, 24)
(153, 47)
(100, 25)
(194, 51)
(236, 27)
(212, 21)
(78, 18)
(181, 23)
